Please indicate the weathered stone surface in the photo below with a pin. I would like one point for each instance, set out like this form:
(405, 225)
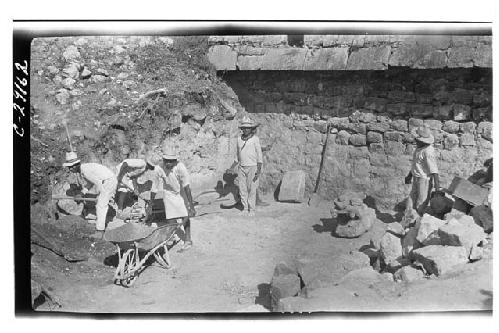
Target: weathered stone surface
(451, 126)
(414, 123)
(451, 141)
(393, 136)
(375, 58)
(461, 57)
(323, 272)
(467, 191)
(283, 59)
(483, 216)
(408, 274)
(428, 227)
(367, 117)
(378, 127)
(362, 220)
(476, 253)
(326, 59)
(482, 56)
(72, 70)
(292, 186)
(63, 96)
(395, 228)
(400, 125)
(394, 148)
(86, 73)
(98, 78)
(222, 57)
(464, 232)
(421, 110)
(439, 259)
(283, 286)
(410, 242)
(357, 140)
(374, 137)
(391, 251)
(377, 148)
(485, 128)
(467, 140)
(71, 53)
(468, 127)
(342, 137)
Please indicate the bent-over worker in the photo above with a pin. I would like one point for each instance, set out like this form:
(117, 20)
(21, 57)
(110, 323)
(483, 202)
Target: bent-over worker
(249, 159)
(127, 172)
(174, 184)
(424, 171)
(94, 175)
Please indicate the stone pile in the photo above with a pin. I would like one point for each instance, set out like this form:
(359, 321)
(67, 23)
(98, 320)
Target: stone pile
(430, 246)
(358, 218)
(293, 282)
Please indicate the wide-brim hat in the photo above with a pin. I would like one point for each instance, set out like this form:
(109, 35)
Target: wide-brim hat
(168, 153)
(71, 159)
(247, 123)
(424, 135)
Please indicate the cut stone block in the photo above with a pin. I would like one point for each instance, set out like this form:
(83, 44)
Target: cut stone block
(428, 227)
(293, 186)
(439, 259)
(464, 232)
(483, 216)
(283, 286)
(408, 274)
(467, 191)
(391, 250)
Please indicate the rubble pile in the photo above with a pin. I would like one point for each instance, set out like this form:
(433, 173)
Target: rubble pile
(358, 218)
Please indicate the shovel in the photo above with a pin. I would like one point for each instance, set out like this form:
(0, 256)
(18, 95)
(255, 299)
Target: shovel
(315, 199)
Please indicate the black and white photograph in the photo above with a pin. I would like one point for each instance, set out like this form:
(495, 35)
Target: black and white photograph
(247, 168)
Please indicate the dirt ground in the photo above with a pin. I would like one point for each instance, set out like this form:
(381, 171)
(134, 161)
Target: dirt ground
(231, 264)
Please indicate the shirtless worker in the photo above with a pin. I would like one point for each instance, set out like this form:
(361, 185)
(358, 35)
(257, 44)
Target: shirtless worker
(174, 184)
(424, 172)
(249, 159)
(98, 176)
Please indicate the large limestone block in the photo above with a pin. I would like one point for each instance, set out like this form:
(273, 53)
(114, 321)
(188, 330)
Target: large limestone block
(428, 227)
(391, 251)
(373, 58)
(408, 274)
(463, 232)
(439, 259)
(483, 216)
(421, 52)
(293, 186)
(284, 59)
(326, 59)
(471, 193)
(482, 56)
(222, 57)
(461, 56)
(283, 286)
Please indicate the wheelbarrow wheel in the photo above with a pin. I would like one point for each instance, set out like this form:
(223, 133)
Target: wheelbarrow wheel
(163, 259)
(128, 268)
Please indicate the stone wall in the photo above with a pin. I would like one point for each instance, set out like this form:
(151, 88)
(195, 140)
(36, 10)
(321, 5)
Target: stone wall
(350, 52)
(372, 115)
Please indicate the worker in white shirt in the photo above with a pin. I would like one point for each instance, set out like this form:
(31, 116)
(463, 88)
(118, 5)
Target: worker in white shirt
(98, 176)
(174, 184)
(249, 159)
(127, 173)
(424, 172)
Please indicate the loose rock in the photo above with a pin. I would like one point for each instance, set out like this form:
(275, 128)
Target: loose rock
(439, 259)
(408, 274)
(391, 251)
(464, 232)
(428, 227)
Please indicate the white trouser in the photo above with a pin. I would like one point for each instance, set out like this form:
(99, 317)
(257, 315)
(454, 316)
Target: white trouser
(107, 191)
(418, 195)
(247, 187)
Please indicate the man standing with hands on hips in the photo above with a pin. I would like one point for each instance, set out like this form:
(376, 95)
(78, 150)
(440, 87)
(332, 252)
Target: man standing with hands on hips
(249, 159)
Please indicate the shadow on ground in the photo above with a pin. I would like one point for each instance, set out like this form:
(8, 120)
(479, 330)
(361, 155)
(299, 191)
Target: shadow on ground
(264, 297)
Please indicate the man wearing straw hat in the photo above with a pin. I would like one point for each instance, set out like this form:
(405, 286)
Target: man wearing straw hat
(98, 176)
(424, 171)
(174, 184)
(249, 159)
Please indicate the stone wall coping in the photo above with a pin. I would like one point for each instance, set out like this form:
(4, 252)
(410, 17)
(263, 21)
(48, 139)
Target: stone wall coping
(350, 52)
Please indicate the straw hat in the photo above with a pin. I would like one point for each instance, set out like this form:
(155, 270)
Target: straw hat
(424, 135)
(248, 123)
(71, 159)
(168, 153)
